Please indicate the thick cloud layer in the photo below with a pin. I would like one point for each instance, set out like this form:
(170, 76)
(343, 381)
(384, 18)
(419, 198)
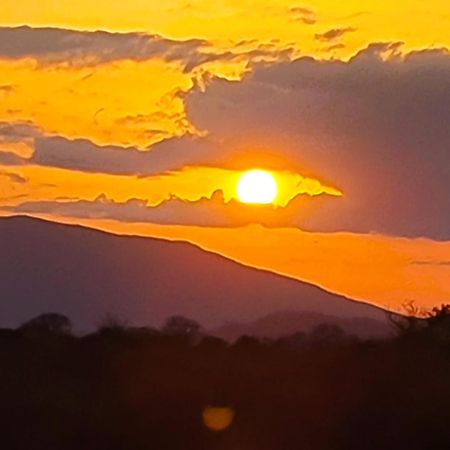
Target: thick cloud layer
(209, 212)
(60, 45)
(84, 155)
(377, 127)
(56, 45)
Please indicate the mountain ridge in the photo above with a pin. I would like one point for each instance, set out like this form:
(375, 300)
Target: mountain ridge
(284, 323)
(87, 273)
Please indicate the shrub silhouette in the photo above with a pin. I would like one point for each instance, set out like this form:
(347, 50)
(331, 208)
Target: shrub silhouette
(141, 389)
(434, 325)
(112, 325)
(327, 334)
(45, 324)
(180, 326)
(438, 324)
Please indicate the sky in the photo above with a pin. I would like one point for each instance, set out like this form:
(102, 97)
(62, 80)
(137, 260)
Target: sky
(139, 117)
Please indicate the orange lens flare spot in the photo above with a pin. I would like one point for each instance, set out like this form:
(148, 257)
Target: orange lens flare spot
(217, 418)
(257, 187)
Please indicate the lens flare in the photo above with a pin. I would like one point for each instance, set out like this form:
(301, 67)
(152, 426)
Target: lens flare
(217, 418)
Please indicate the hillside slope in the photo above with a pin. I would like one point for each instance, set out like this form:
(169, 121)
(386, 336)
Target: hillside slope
(87, 274)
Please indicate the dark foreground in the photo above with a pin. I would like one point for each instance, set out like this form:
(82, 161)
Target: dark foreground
(131, 390)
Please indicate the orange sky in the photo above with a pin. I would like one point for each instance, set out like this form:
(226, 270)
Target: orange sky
(170, 89)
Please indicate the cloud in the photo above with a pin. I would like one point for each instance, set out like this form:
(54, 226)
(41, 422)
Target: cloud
(10, 159)
(376, 126)
(84, 155)
(55, 45)
(16, 142)
(14, 132)
(431, 263)
(13, 177)
(62, 46)
(303, 14)
(333, 34)
(210, 212)
(6, 89)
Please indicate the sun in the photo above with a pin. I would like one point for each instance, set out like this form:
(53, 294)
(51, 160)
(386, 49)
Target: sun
(257, 187)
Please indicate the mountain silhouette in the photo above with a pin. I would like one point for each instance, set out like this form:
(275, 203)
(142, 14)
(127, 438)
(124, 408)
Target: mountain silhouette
(88, 274)
(284, 323)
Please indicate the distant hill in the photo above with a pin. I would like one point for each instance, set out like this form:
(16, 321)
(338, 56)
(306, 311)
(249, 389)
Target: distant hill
(282, 324)
(87, 274)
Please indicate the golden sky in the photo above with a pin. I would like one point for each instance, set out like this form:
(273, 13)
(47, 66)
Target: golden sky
(146, 111)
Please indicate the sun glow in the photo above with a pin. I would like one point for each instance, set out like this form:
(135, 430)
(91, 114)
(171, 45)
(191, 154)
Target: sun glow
(257, 187)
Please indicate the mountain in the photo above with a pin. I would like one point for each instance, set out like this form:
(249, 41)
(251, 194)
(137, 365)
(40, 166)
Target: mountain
(87, 274)
(282, 324)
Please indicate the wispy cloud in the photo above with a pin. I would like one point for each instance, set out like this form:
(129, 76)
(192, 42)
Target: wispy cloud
(303, 15)
(334, 34)
(63, 46)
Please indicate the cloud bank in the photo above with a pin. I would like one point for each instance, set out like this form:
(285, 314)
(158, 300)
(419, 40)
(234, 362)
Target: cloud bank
(376, 126)
(62, 46)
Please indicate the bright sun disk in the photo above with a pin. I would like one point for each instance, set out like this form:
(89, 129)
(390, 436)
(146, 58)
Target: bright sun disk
(257, 187)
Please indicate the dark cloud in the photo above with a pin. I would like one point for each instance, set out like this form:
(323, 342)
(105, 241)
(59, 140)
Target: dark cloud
(6, 88)
(84, 155)
(17, 131)
(431, 263)
(303, 14)
(333, 34)
(337, 46)
(13, 177)
(174, 211)
(56, 45)
(211, 212)
(10, 159)
(377, 127)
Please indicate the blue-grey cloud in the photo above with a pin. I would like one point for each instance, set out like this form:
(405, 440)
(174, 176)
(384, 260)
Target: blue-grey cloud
(211, 212)
(61, 45)
(84, 155)
(376, 126)
(333, 34)
(57, 45)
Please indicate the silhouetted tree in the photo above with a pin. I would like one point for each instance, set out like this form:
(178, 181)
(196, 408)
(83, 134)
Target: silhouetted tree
(8, 333)
(50, 323)
(297, 339)
(180, 326)
(213, 343)
(135, 390)
(438, 322)
(327, 333)
(434, 325)
(247, 343)
(112, 325)
(409, 323)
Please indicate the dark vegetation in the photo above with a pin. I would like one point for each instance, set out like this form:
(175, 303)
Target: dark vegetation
(141, 388)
